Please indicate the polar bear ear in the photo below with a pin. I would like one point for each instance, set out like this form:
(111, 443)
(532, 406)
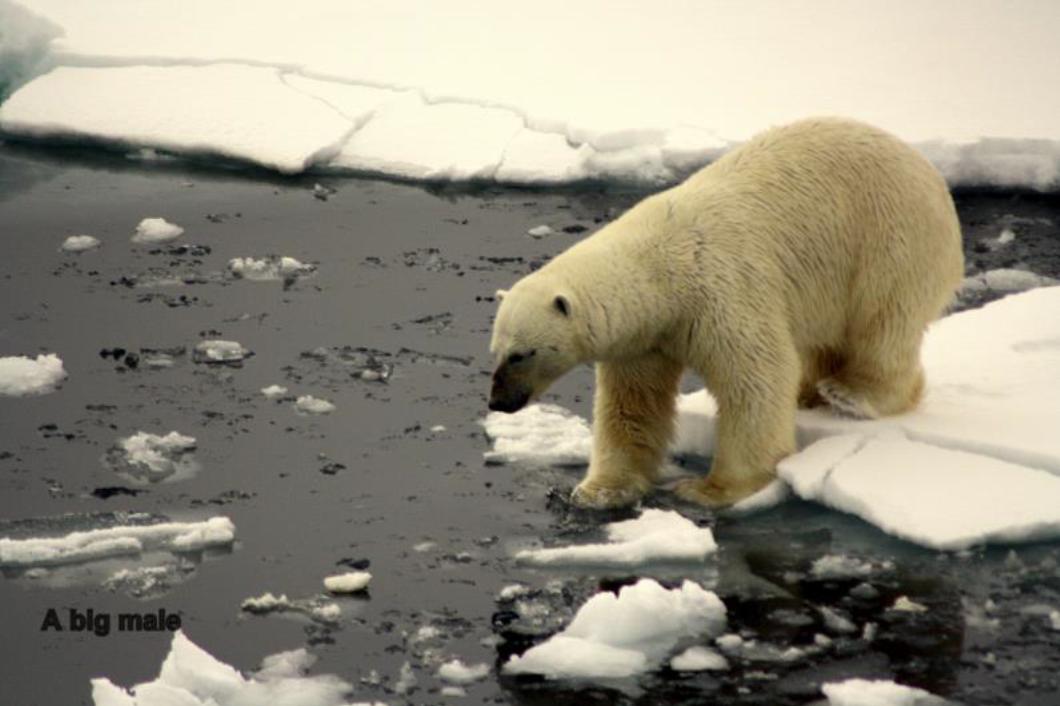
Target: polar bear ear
(500, 293)
(561, 304)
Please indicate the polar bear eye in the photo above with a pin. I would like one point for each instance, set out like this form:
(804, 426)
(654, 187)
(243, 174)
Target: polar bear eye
(520, 357)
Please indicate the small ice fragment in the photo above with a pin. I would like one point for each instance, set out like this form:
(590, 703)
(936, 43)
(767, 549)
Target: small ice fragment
(837, 622)
(265, 603)
(274, 391)
(822, 640)
(426, 632)
(699, 659)
(21, 376)
(840, 567)
(217, 352)
(423, 547)
(268, 269)
(351, 582)
(156, 230)
(905, 604)
(307, 404)
(80, 243)
(511, 592)
(453, 691)
(406, 680)
(863, 692)
(1054, 619)
(152, 457)
(539, 231)
(437, 429)
(868, 634)
(456, 672)
(329, 612)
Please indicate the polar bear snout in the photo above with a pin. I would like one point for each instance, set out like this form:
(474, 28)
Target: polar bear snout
(507, 393)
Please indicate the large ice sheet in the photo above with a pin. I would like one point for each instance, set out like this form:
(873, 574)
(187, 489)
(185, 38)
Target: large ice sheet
(630, 92)
(229, 110)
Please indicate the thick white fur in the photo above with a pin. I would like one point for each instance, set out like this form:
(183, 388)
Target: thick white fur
(801, 268)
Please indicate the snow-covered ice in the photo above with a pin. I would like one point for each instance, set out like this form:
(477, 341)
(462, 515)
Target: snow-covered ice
(218, 352)
(413, 97)
(315, 608)
(698, 659)
(190, 676)
(21, 376)
(657, 536)
(456, 672)
(620, 636)
(865, 692)
(269, 269)
(307, 404)
(542, 434)
(156, 230)
(152, 458)
(350, 582)
(80, 243)
(273, 392)
(116, 541)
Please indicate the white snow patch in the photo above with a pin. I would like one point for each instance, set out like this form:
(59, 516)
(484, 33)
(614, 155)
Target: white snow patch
(542, 434)
(273, 392)
(307, 404)
(218, 351)
(620, 636)
(864, 692)
(698, 659)
(350, 582)
(116, 541)
(456, 672)
(657, 536)
(156, 230)
(268, 269)
(21, 376)
(80, 243)
(190, 676)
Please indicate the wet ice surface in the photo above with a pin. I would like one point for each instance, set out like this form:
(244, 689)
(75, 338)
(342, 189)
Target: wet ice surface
(393, 330)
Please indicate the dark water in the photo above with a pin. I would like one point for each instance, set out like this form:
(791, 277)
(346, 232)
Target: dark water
(407, 274)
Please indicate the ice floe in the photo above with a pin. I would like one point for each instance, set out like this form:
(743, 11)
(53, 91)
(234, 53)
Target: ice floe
(116, 541)
(190, 676)
(219, 352)
(614, 636)
(542, 434)
(274, 392)
(307, 404)
(866, 692)
(657, 536)
(156, 230)
(80, 243)
(350, 582)
(456, 672)
(699, 659)
(269, 269)
(145, 457)
(192, 79)
(315, 608)
(21, 376)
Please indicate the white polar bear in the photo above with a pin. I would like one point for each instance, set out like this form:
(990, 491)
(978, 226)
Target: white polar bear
(799, 269)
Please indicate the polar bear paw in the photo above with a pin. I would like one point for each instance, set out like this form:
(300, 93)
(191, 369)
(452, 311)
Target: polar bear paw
(702, 492)
(845, 402)
(591, 495)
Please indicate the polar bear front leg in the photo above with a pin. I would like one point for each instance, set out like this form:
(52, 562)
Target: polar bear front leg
(633, 417)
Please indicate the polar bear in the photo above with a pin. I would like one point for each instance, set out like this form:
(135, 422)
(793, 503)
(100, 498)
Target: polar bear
(800, 269)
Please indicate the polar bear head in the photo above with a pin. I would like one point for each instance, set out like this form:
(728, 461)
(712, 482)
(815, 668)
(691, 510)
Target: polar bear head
(536, 339)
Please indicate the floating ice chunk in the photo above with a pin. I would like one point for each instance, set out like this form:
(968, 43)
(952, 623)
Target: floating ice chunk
(836, 621)
(539, 231)
(1054, 619)
(624, 635)
(269, 269)
(219, 352)
(190, 676)
(150, 457)
(907, 605)
(266, 603)
(21, 376)
(541, 433)
(156, 230)
(730, 643)
(453, 690)
(351, 582)
(863, 692)
(274, 391)
(698, 659)
(456, 672)
(511, 592)
(656, 536)
(146, 581)
(307, 404)
(838, 566)
(328, 613)
(240, 112)
(116, 541)
(406, 680)
(998, 502)
(80, 243)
